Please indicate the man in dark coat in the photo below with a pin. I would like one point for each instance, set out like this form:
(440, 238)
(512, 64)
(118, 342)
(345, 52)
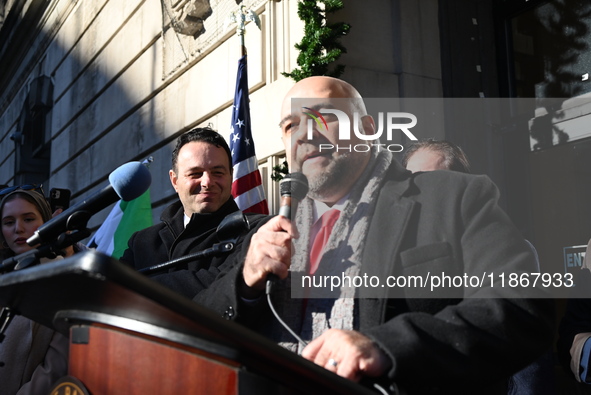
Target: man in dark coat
(397, 226)
(430, 155)
(201, 174)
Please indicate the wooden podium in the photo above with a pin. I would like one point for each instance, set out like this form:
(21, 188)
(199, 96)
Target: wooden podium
(130, 335)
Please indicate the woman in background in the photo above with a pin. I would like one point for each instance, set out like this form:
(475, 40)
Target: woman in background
(32, 356)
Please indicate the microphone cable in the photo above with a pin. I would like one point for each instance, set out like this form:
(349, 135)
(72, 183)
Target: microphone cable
(268, 290)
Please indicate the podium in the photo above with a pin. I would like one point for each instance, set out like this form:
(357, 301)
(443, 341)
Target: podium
(130, 335)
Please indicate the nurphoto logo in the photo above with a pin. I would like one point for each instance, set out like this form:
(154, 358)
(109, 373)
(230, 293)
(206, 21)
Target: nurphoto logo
(388, 122)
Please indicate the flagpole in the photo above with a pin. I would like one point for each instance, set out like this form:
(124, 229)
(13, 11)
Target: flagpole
(240, 30)
(247, 185)
(241, 17)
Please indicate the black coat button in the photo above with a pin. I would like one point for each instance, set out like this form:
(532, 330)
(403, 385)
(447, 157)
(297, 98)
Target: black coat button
(229, 313)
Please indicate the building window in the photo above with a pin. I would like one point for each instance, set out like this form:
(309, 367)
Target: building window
(33, 135)
(272, 193)
(551, 45)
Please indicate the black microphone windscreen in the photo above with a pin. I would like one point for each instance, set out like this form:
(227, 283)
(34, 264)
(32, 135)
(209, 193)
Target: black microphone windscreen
(294, 185)
(130, 180)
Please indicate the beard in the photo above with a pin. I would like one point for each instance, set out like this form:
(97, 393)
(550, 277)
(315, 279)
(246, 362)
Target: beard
(335, 176)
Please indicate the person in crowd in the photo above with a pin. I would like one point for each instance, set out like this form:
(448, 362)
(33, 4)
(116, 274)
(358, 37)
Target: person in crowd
(388, 222)
(201, 175)
(430, 154)
(32, 356)
(574, 341)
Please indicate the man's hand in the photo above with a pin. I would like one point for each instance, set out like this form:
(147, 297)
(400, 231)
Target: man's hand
(354, 354)
(269, 253)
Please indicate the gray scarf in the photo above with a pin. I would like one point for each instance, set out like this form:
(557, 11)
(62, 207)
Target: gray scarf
(321, 308)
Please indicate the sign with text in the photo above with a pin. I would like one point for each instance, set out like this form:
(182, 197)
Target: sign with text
(573, 258)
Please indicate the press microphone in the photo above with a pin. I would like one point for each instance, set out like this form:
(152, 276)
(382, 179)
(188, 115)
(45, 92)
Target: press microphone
(293, 188)
(126, 182)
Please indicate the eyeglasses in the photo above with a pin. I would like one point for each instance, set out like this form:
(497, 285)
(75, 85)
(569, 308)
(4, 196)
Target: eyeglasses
(26, 187)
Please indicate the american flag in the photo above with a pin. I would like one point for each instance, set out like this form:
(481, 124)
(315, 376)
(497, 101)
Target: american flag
(247, 186)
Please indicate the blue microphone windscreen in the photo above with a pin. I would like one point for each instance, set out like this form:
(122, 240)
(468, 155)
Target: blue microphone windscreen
(130, 180)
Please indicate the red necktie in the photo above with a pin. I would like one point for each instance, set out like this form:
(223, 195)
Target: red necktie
(328, 220)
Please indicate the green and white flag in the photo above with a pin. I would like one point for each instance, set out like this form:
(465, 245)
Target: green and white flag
(125, 219)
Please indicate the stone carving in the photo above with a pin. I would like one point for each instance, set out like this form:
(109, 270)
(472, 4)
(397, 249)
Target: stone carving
(189, 16)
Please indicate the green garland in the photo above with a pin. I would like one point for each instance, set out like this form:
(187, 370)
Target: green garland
(320, 45)
(279, 171)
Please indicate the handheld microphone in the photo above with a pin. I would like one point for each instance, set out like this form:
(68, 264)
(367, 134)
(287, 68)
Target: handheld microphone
(293, 188)
(127, 182)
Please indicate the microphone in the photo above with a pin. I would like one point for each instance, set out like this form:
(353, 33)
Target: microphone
(127, 182)
(228, 231)
(293, 188)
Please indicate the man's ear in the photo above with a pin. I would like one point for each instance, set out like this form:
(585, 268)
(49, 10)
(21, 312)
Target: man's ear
(368, 124)
(173, 178)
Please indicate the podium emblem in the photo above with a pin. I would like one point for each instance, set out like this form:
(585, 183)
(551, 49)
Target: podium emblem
(69, 385)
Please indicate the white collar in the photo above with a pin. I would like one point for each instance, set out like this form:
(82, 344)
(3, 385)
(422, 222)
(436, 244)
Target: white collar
(320, 207)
